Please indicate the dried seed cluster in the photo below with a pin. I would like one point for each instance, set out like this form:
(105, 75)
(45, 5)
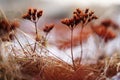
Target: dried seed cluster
(79, 17)
(48, 28)
(109, 23)
(6, 29)
(32, 14)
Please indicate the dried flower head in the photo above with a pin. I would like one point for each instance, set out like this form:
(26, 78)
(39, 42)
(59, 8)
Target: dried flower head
(79, 17)
(15, 24)
(32, 14)
(104, 33)
(109, 23)
(26, 16)
(86, 11)
(48, 28)
(30, 11)
(6, 29)
(39, 13)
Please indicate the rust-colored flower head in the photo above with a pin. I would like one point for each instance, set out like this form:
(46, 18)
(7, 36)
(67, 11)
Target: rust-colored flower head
(48, 28)
(14, 25)
(30, 11)
(86, 11)
(34, 11)
(79, 16)
(32, 14)
(6, 29)
(65, 21)
(26, 16)
(109, 23)
(91, 13)
(78, 11)
(39, 13)
(94, 17)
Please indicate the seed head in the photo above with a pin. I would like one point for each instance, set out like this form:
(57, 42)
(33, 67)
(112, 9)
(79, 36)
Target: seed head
(39, 13)
(26, 16)
(6, 29)
(86, 11)
(48, 28)
(14, 25)
(91, 13)
(30, 11)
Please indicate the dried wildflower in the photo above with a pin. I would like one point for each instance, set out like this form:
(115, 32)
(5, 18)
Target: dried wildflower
(86, 11)
(14, 25)
(104, 33)
(30, 11)
(79, 17)
(39, 13)
(48, 28)
(26, 16)
(109, 23)
(6, 29)
(34, 15)
(91, 13)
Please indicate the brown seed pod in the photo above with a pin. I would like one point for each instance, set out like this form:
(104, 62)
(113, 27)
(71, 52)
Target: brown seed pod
(30, 11)
(86, 11)
(91, 13)
(34, 11)
(39, 13)
(26, 16)
(48, 28)
(14, 25)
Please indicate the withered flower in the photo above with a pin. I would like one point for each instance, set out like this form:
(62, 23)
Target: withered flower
(86, 11)
(48, 28)
(6, 29)
(14, 25)
(26, 16)
(32, 15)
(79, 17)
(39, 13)
(30, 11)
(91, 13)
(109, 23)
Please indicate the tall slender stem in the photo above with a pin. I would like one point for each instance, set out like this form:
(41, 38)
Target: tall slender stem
(81, 44)
(72, 57)
(36, 35)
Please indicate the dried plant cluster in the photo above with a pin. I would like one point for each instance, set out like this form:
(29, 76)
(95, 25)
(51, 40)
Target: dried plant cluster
(33, 15)
(79, 17)
(7, 29)
(103, 30)
(39, 67)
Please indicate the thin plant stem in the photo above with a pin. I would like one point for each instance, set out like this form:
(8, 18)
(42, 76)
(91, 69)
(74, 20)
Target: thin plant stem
(81, 45)
(36, 31)
(72, 57)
